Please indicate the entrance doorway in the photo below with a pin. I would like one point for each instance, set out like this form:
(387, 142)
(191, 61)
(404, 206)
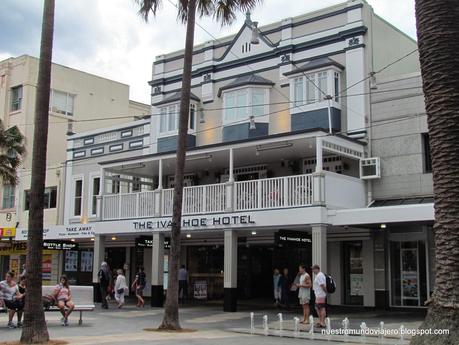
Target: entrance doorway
(115, 258)
(353, 273)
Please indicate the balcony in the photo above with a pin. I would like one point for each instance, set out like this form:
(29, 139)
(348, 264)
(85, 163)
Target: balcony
(279, 173)
(321, 189)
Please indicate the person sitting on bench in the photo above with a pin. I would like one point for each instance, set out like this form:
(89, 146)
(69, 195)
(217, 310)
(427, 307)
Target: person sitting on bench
(63, 296)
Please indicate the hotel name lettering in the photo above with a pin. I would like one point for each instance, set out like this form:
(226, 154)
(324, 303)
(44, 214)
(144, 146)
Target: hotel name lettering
(199, 222)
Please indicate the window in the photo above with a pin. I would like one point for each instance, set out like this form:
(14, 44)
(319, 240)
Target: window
(78, 197)
(314, 86)
(322, 84)
(298, 90)
(169, 118)
(311, 88)
(50, 198)
(95, 192)
(116, 184)
(61, 102)
(426, 149)
(136, 184)
(336, 80)
(241, 104)
(16, 98)
(8, 196)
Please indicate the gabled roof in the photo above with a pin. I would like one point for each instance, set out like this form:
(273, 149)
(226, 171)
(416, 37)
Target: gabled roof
(250, 79)
(314, 64)
(176, 97)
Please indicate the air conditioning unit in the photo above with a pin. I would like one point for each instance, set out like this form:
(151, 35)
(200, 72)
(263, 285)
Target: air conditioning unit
(370, 168)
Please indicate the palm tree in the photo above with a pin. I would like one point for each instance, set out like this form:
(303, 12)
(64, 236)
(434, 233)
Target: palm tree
(225, 12)
(35, 329)
(11, 149)
(438, 32)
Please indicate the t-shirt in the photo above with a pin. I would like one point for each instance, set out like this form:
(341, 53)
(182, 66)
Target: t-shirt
(63, 293)
(8, 293)
(304, 292)
(318, 281)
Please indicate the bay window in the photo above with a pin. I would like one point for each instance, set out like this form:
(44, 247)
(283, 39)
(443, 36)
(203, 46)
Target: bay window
(312, 87)
(241, 104)
(169, 118)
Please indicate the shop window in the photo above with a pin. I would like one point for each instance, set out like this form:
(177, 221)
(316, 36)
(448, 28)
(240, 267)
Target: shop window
(353, 273)
(50, 198)
(16, 98)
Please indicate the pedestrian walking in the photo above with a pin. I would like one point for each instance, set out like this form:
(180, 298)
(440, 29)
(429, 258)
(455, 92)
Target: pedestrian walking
(138, 285)
(63, 296)
(284, 283)
(276, 287)
(183, 284)
(12, 299)
(120, 287)
(320, 291)
(304, 292)
(104, 283)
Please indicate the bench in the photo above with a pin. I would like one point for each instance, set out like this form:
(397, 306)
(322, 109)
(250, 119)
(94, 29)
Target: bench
(82, 297)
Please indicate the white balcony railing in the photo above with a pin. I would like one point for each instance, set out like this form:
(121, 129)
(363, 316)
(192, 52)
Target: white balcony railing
(270, 193)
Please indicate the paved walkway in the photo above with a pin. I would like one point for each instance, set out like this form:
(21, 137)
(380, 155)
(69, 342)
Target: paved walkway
(126, 326)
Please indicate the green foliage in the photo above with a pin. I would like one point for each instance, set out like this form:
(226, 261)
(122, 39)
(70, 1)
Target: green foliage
(11, 150)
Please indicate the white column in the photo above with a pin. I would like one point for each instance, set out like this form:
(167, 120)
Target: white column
(160, 174)
(368, 273)
(319, 155)
(319, 246)
(230, 271)
(98, 258)
(231, 165)
(157, 270)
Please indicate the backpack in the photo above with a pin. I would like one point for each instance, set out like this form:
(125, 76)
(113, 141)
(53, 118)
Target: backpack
(331, 284)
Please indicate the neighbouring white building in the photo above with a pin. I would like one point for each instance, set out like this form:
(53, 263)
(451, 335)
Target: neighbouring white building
(306, 146)
(79, 102)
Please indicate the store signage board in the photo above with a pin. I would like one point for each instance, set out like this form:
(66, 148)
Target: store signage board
(293, 238)
(7, 232)
(59, 245)
(147, 242)
(61, 232)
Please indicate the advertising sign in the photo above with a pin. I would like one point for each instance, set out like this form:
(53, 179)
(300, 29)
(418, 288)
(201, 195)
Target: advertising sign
(293, 238)
(7, 232)
(200, 289)
(59, 245)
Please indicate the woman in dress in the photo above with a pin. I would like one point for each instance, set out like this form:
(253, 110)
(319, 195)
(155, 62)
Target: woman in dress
(120, 287)
(63, 296)
(139, 284)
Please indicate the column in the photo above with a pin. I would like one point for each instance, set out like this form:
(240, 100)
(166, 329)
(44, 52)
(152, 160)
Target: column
(98, 257)
(158, 191)
(157, 270)
(230, 271)
(319, 246)
(319, 155)
(229, 186)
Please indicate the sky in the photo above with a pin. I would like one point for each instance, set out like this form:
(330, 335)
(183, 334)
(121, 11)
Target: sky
(108, 37)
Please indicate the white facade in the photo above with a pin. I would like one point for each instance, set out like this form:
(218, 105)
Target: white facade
(282, 139)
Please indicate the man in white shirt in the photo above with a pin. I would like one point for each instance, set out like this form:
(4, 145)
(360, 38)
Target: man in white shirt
(320, 290)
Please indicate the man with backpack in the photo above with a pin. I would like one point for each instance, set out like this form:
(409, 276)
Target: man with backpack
(320, 290)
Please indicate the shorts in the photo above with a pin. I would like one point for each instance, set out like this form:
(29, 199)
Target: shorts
(304, 300)
(277, 293)
(16, 305)
(321, 303)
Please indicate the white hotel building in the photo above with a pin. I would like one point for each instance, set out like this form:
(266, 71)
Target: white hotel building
(306, 147)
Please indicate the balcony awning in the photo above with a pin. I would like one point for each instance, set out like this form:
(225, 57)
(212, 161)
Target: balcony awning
(251, 79)
(315, 64)
(176, 97)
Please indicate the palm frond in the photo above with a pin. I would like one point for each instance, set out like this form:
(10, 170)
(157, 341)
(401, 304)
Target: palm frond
(147, 6)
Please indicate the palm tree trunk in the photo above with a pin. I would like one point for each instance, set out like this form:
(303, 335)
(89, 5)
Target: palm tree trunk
(171, 308)
(35, 329)
(438, 32)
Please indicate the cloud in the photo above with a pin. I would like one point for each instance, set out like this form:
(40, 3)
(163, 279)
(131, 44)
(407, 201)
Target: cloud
(109, 38)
